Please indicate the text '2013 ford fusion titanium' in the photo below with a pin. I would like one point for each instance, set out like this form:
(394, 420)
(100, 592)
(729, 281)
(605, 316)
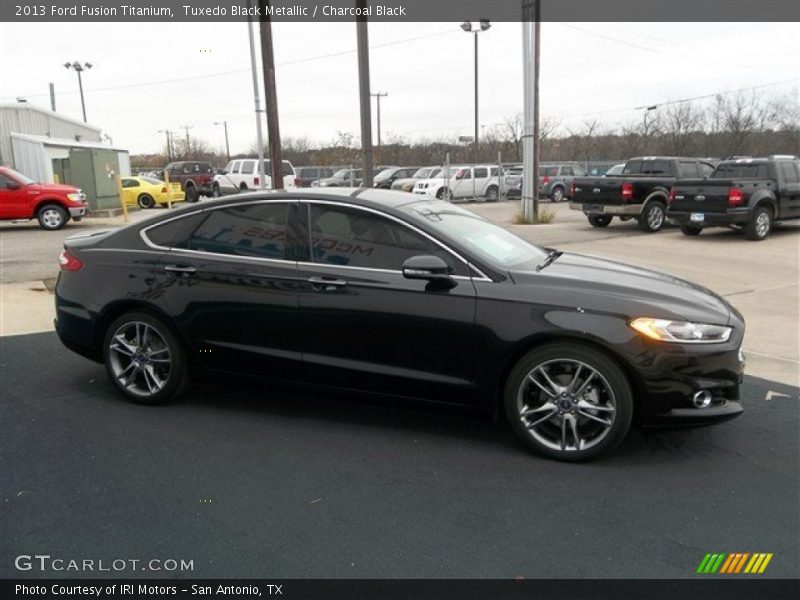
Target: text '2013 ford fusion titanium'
(381, 293)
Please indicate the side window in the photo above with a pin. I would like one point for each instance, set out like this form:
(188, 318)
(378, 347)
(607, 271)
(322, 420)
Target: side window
(130, 183)
(175, 233)
(234, 167)
(494, 171)
(257, 230)
(481, 172)
(788, 172)
(687, 169)
(464, 174)
(579, 172)
(249, 167)
(357, 238)
(567, 172)
(4, 182)
(705, 169)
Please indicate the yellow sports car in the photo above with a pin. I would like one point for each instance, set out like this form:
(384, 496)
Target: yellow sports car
(146, 192)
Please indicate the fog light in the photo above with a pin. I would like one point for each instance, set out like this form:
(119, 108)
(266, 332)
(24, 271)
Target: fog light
(702, 399)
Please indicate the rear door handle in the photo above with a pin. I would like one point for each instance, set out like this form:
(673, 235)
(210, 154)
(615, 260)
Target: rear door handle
(183, 271)
(326, 283)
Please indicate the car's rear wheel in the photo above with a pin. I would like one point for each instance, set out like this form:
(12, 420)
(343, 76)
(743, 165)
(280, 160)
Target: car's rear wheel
(760, 224)
(691, 230)
(653, 217)
(568, 401)
(52, 217)
(144, 359)
(557, 194)
(599, 220)
(145, 201)
(492, 193)
(242, 187)
(215, 191)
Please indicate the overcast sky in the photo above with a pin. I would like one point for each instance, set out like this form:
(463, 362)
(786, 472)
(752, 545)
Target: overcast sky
(589, 70)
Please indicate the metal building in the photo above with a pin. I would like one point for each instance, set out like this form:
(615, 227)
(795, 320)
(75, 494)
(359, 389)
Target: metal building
(51, 148)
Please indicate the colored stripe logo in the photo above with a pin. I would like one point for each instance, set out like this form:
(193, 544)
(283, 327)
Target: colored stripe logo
(736, 562)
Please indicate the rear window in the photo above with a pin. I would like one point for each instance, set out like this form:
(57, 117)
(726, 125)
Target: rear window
(175, 233)
(647, 167)
(741, 171)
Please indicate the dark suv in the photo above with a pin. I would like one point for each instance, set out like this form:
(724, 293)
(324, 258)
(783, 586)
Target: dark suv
(195, 177)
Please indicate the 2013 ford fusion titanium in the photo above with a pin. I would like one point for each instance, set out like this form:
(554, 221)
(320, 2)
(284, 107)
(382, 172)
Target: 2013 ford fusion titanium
(375, 291)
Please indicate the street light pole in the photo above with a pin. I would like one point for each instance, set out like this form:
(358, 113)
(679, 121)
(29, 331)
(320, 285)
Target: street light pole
(80, 68)
(379, 95)
(227, 145)
(483, 25)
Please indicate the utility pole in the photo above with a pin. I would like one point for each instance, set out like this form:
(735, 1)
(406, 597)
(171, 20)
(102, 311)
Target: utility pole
(227, 145)
(271, 96)
(168, 133)
(53, 97)
(186, 128)
(364, 95)
(262, 180)
(379, 95)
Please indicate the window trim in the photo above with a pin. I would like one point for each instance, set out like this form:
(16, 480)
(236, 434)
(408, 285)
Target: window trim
(480, 276)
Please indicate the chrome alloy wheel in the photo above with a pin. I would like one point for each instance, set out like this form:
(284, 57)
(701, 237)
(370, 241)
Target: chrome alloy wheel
(139, 358)
(762, 224)
(655, 217)
(52, 218)
(566, 405)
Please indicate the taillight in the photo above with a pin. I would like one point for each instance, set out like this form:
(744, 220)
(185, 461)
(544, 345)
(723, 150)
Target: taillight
(69, 262)
(255, 181)
(572, 190)
(735, 197)
(545, 180)
(671, 197)
(627, 191)
(163, 190)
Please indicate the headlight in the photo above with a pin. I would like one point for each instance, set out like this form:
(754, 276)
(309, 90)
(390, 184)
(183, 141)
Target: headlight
(681, 332)
(75, 197)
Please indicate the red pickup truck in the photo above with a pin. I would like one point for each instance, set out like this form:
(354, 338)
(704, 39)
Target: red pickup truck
(51, 204)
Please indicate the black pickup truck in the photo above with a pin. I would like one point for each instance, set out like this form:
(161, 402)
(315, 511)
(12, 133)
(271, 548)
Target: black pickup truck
(751, 193)
(640, 192)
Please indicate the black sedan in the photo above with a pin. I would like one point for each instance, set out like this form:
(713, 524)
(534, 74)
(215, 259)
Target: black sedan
(381, 293)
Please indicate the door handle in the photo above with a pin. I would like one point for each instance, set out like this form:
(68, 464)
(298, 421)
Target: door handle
(183, 271)
(326, 283)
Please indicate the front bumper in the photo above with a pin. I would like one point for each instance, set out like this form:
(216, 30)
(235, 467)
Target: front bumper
(77, 211)
(624, 210)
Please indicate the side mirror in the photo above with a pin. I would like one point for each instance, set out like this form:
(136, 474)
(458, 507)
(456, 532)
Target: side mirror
(12, 185)
(426, 267)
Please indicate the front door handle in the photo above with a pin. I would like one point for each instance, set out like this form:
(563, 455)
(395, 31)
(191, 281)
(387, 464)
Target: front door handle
(181, 270)
(322, 284)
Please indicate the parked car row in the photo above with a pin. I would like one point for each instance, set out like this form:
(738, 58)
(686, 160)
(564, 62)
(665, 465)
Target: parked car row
(746, 193)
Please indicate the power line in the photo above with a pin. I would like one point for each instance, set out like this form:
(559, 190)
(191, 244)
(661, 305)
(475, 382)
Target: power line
(238, 71)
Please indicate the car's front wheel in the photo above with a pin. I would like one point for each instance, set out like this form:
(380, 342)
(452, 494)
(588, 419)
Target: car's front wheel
(52, 217)
(144, 359)
(568, 401)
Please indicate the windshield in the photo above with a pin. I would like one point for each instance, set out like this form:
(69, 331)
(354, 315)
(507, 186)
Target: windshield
(385, 174)
(486, 241)
(342, 174)
(20, 177)
(423, 173)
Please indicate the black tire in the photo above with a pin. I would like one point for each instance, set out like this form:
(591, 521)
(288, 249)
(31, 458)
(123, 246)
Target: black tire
(191, 193)
(440, 194)
(691, 230)
(557, 194)
(492, 193)
(759, 225)
(243, 187)
(520, 394)
(599, 220)
(145, 201)
(215, 191)
(52, 217)
(176, 379)
(654, 216)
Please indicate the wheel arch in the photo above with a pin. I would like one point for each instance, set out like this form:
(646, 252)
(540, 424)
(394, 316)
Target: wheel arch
(41, 202)
(575, 337)
(764, 199)
(116, 309)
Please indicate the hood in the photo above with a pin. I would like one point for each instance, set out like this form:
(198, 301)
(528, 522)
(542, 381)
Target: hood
(603, 285)
(53, 187)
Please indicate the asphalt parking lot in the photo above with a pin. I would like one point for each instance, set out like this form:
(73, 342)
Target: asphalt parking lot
(249, 481)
